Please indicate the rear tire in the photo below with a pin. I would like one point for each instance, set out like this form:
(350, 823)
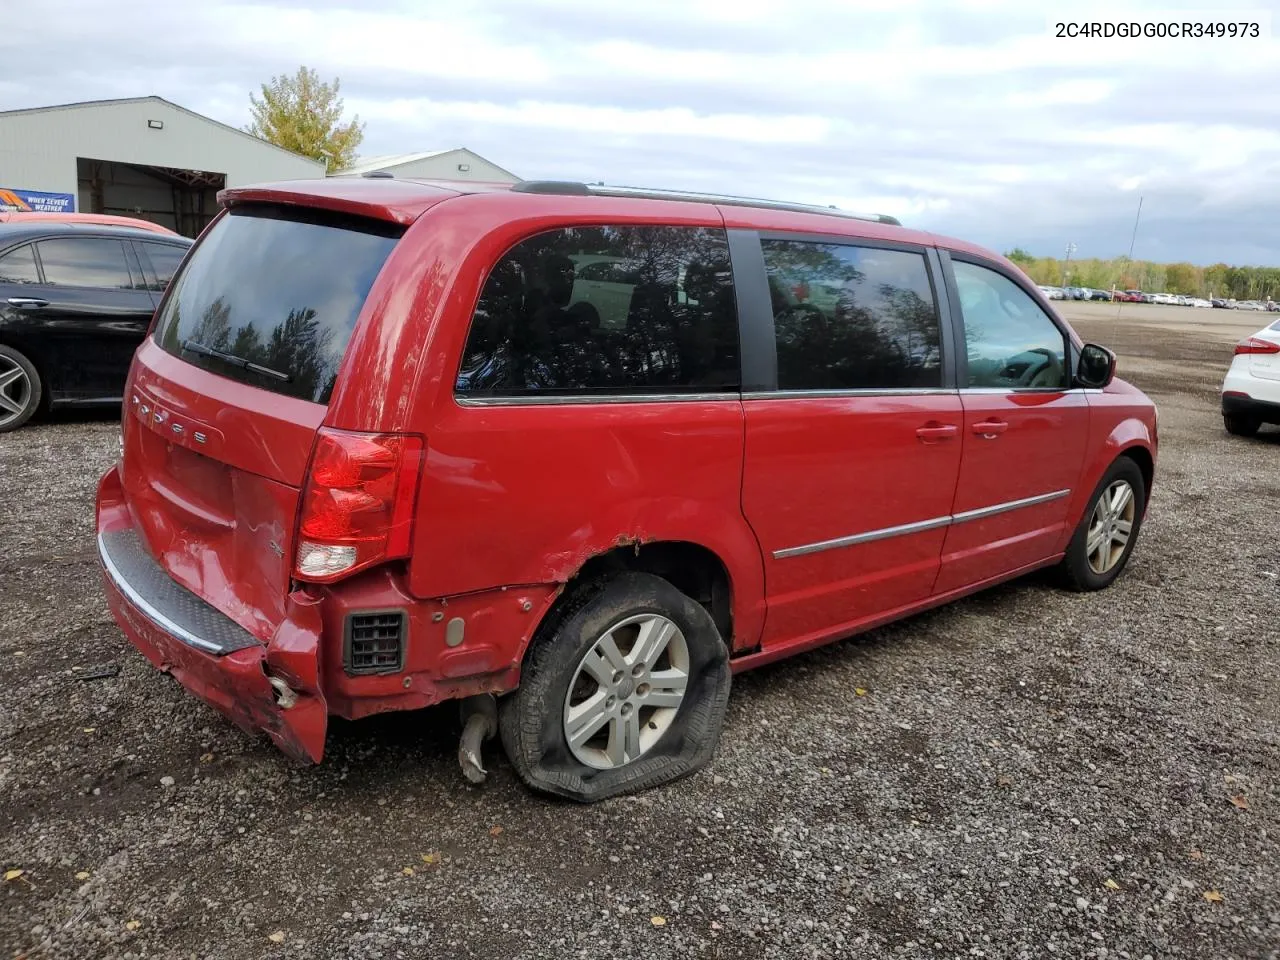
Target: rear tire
(1095, 556)
(573, 679)
(1239, 425)
(20, 389)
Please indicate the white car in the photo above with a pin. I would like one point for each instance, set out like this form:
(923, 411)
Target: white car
(1053, 293)
(1251, 391)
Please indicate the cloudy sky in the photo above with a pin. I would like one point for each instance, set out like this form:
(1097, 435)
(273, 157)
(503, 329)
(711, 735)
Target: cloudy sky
(968, 118)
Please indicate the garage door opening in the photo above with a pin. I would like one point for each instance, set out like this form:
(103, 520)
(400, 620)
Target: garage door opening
(182, 200)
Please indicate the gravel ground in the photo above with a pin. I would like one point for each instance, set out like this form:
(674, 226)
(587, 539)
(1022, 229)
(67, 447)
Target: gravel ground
(1028, 773)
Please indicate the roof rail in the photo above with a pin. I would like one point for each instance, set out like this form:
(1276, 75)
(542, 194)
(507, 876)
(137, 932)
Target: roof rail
(571, 188)
(574, 188)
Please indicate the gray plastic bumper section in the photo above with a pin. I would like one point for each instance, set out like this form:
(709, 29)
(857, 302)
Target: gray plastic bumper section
(167, 604)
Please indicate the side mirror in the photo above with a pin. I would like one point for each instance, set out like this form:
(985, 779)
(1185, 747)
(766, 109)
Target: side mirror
(1097, 367)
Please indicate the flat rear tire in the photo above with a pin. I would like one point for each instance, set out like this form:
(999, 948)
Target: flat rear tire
(624, 688)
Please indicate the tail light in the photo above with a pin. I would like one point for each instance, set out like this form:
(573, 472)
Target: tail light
(1256, 345)
(357, 505)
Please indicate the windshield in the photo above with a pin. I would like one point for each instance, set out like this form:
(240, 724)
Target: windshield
(271, 295)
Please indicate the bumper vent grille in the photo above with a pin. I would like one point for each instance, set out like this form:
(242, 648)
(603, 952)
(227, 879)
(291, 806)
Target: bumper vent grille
(375, 642)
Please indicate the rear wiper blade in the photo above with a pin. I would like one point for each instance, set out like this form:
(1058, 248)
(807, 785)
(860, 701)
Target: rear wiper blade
(194, 346)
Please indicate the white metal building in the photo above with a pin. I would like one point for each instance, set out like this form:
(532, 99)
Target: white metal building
(142, 157)
(456, 164)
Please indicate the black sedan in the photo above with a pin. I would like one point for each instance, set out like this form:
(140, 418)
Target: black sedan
(75, 302)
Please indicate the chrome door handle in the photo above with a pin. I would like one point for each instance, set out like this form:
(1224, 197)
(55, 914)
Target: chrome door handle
(27, 302)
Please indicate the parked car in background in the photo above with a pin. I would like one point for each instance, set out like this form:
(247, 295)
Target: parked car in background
(1095, 294)
(1128, 296)
(1053, 293)
(95, 219)
(1251, 390)
(75, 301)
(1201, 303)
(303, 524)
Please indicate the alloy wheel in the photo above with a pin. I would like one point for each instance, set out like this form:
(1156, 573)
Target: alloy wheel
(15, 390)
(626, 691)
(1110, 526)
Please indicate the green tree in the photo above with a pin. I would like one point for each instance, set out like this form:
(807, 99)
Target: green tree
(302, 114)
(1181, 278)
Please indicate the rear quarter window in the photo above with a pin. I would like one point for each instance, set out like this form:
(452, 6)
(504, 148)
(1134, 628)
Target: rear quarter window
(608, 310)
(271, 295)
(19, 266)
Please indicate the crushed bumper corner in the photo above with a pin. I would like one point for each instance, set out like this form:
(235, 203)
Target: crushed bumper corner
(237, 682)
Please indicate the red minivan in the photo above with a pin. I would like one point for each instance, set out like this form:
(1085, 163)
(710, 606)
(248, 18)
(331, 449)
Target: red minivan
(572, 455)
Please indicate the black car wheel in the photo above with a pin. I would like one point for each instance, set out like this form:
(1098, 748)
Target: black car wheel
(1239, 425)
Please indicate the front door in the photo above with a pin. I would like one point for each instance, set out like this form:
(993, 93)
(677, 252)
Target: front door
(94, 312)
(851, 463)
(1025, 432)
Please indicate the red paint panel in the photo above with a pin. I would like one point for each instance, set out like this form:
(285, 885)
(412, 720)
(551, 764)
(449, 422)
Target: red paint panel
(821, 469)
(1123, 421)
(254, 430)
(1016, 446)
(527, 494)
(773, 653)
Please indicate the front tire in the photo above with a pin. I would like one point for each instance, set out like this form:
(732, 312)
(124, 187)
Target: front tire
(1108, 530)
(625, 688)
(20, 389)
(1239, 425)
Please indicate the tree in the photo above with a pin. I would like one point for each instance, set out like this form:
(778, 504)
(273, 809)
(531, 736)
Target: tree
(302, 114)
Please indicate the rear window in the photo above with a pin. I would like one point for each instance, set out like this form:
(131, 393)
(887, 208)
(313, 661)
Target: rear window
(270, 297)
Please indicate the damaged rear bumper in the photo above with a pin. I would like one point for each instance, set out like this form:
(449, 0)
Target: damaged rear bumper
(272, 687)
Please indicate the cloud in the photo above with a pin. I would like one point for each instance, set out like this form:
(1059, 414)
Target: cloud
(964, 118)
